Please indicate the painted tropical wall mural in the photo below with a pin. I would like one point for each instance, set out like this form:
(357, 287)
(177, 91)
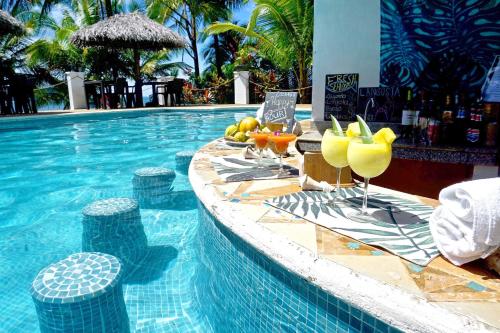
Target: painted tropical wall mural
(438, 44)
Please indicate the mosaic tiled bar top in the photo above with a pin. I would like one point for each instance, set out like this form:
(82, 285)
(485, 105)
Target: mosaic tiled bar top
(437, 298)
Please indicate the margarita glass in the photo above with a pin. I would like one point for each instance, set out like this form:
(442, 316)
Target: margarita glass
(334, 151)
(261, 141)
(281, 141)
(368, 160)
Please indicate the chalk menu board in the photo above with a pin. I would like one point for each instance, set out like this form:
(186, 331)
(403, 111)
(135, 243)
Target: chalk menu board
(491, 87)
(279, 107)
(389, 102)
(341, 96)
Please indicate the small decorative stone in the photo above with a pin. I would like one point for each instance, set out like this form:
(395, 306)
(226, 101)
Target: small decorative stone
(152, 185)
(183, 159)
(82, 293)
(114, 226)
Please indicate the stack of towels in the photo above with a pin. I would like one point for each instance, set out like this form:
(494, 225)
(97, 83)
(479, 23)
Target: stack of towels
(466, 226)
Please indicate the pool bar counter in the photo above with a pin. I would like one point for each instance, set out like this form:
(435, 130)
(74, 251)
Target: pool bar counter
(355, 282)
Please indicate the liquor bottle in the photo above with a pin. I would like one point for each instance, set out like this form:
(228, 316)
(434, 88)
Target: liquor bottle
(473, 132)
(434, 122)
(490, 128)
(460, 119)
(423, 119)
(447, 120)
(408, 117)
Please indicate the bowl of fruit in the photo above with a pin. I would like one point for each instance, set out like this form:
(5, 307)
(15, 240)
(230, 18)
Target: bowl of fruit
(237, 135)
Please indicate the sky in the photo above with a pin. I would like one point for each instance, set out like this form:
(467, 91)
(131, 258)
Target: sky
(241, 15)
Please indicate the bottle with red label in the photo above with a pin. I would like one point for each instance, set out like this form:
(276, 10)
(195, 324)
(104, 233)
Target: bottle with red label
(434, 122)
(473, 132)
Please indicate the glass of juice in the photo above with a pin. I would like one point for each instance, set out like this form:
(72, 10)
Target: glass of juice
(368, 160)
(261, 141)
(281, 141)
(334, 150)
(275, 127)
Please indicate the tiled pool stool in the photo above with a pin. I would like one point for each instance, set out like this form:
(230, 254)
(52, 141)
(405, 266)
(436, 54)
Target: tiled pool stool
(82, 293)
(152, 185)
(114, 226)
(183, 159)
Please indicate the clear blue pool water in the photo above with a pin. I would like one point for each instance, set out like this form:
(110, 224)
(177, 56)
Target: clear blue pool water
(52, 168)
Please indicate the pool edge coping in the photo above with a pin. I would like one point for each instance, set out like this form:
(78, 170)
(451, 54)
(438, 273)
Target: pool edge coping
(392, 305)
(85, 112)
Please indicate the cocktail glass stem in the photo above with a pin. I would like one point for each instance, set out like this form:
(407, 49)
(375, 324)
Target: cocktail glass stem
(337, 191)
(364, 209)
(259, 160)
(281, 165)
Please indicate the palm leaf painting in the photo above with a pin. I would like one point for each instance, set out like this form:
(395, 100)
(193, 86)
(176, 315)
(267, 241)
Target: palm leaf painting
(236, 169)
(438, 44)
(397, 225)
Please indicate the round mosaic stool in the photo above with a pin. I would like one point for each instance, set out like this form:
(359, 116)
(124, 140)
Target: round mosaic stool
(114, 226)
(152, 185)
(82, 293)
(183, 159)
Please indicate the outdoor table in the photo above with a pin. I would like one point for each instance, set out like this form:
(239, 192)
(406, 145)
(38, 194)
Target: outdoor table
(98, 83)
(154, 87)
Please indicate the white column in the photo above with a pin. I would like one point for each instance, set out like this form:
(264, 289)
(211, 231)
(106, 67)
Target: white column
(76, 90)
(241, 87)
(346, 40)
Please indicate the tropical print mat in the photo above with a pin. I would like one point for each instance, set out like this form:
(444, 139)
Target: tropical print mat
(238, 169)
(397, 225)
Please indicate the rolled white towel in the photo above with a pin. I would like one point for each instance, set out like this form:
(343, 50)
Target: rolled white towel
(466, 226)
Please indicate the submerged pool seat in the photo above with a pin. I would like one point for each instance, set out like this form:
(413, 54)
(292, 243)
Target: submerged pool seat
(82, 293)
(152, 186)
(183, 159)
(114, 226)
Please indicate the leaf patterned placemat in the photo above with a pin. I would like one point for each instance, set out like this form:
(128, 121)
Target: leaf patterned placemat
(237, 169)
(397, 225)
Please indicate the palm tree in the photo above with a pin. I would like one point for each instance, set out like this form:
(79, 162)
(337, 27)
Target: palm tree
(215, 15)
(188, 16)
(223, 50)
(282, 31)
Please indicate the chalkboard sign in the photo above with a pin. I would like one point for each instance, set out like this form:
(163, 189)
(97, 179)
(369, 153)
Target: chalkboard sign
(388, 103)
(341, 96)
(491, 87)
(279, 107)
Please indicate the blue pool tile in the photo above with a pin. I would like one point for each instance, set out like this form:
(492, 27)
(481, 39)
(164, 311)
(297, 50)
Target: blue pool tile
(353, 245)
(355, 323)
(365, 328)
(476, 286)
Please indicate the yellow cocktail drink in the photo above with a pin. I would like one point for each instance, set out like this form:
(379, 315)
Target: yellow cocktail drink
(334, 149)
(369, 160)
(370, 155)
(334, 145)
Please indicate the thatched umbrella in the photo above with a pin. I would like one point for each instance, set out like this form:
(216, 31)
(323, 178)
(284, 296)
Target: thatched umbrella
(129, 31)
(9, 25)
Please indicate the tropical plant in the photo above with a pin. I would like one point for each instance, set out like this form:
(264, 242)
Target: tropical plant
(222, 50)
(188, 16)
(282, 31)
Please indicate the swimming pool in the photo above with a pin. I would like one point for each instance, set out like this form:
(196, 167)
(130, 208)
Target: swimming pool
(53, 167)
